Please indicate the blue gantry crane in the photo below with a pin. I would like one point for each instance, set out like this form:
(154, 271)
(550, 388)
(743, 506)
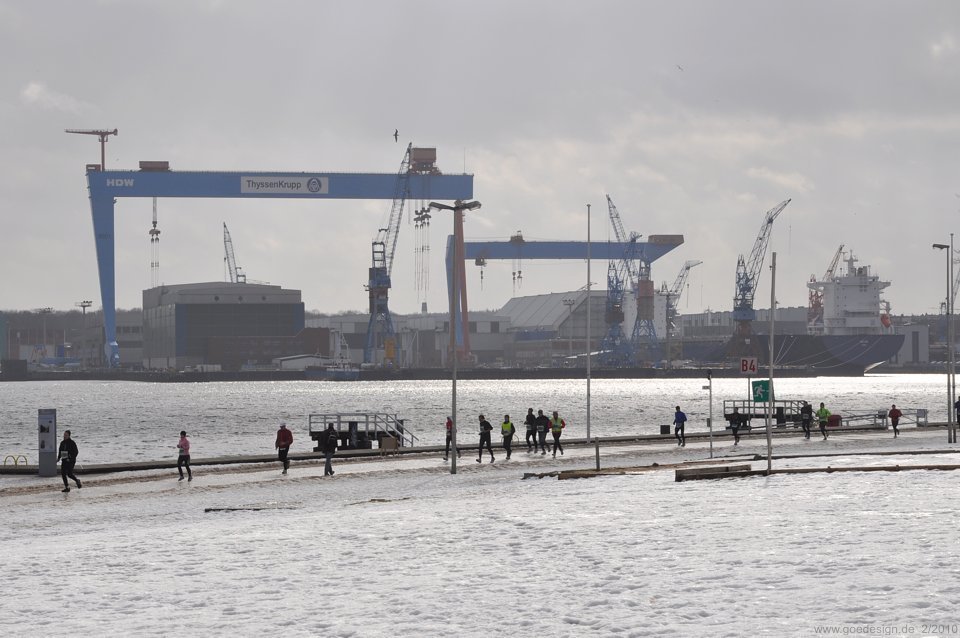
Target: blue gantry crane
(479, 252)
(748, 272)
(155, 179)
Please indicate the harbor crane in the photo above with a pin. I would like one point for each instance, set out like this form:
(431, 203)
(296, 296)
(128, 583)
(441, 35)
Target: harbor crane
(623, 273)
(815, 297)
(236, 274)
(676, 290)
(380, 330)
(748, 274)
(103, 134)
(673, 295)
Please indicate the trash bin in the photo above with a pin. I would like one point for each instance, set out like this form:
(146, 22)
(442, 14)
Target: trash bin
(781, 416)
(834, 421)
(664, 429)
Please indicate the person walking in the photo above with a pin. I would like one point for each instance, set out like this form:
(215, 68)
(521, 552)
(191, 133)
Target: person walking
(543, 424)
(531, 422)
(183, 456)
(556, 428)
(68, 453)
(485, 430)
(823, 417)
(895, 415)
(507, 431)
(737, 420)
(446, 451)
(679, 418)
(806, 418)
(329, 447)
(283, 443)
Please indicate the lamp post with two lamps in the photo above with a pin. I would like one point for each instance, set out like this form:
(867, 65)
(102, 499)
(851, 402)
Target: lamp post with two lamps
(458, 294)
(951, 363)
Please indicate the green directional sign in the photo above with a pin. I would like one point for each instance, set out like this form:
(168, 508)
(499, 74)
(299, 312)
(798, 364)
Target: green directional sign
(761, 390)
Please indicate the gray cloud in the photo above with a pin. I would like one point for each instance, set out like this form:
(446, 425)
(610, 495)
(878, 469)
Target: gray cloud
(848, 108)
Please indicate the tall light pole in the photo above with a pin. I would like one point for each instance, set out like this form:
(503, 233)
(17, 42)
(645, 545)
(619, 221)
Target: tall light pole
(773, 314)
(455, 296)
(588, 322)
(951, 432)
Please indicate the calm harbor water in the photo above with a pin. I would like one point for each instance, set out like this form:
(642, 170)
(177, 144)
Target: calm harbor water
(131, 421)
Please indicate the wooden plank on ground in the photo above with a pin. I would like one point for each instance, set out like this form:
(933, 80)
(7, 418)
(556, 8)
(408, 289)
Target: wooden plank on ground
(720, 471)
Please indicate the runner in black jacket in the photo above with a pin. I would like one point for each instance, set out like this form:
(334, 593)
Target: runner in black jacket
(485, 429)
(531, 423)
(68, 454)
(543, 426)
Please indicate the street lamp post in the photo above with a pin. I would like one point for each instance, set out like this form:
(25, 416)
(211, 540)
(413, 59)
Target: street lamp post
(588, 322)
(458, 207)
(951, 369)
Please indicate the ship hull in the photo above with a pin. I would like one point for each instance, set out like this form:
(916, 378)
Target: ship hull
(827, 354)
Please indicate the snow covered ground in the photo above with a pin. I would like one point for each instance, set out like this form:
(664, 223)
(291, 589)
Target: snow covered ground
(403, 548)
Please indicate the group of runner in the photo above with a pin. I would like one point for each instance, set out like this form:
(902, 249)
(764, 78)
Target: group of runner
(537, 427)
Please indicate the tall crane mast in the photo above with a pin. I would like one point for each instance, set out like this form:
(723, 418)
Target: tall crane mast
(748, 273)
(380, 330)
(615, 349)
(234, 271)
(673, 295)
(103, 134)
(815, 297)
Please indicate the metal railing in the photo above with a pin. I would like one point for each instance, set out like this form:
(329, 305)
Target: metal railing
(370, 424)
(785, 411)
(788, 413)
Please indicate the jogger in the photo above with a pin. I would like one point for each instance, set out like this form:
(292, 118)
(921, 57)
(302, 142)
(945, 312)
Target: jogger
(68, 453)
(485, 429)
(283, 443)
(446, 451)
(531, 422)
(556, 427)
(823, 416)
(679, 418)
(507, 431)
(895, 415)
(806, 417)
(183, 458)
(543, 424)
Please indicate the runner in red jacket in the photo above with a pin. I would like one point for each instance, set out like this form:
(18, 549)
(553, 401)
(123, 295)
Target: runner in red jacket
(283, 443)
(895, 415)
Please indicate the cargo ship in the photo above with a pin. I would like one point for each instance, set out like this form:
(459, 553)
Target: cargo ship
(849, 330)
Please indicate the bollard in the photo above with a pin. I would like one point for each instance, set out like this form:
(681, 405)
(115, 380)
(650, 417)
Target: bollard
(596, 442)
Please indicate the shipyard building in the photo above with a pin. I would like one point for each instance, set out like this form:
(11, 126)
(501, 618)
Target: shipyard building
(227, 325)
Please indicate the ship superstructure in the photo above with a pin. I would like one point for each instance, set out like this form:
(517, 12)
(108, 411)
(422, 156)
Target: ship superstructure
(851, 302)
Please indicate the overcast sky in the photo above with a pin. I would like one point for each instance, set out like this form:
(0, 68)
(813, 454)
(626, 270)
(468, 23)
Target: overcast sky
(696, 117)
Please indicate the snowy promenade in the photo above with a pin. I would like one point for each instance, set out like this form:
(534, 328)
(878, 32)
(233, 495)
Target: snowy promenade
(399, 547)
